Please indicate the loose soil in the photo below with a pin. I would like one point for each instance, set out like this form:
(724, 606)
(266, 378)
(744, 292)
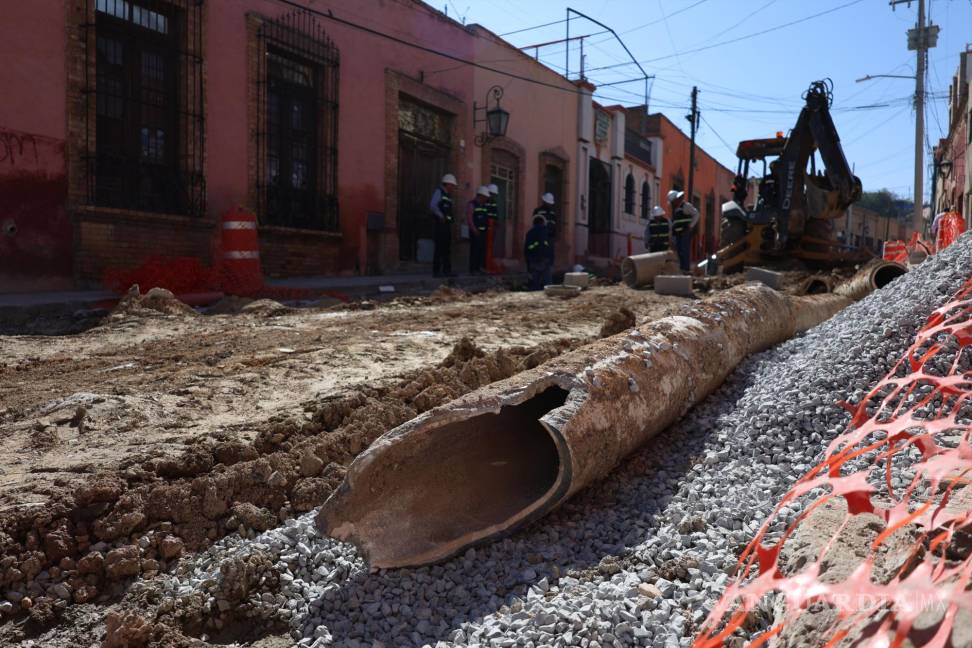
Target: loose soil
(161, 429)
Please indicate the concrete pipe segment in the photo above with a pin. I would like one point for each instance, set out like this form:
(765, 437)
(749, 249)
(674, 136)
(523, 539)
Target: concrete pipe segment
(512, 451)
(875, 274)
(641, 269)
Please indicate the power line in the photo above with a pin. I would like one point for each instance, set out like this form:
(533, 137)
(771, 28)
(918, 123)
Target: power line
(741, 38)
(664, 17)
(716, 133)
(875, 127)
(329, 15)
(526, 29)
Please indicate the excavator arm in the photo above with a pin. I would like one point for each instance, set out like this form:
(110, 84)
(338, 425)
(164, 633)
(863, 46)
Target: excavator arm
(813, 131)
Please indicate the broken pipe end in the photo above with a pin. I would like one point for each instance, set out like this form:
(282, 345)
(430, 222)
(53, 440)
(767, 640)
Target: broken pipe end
(453, 477)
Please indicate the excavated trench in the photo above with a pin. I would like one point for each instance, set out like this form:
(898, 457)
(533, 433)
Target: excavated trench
(485, 464)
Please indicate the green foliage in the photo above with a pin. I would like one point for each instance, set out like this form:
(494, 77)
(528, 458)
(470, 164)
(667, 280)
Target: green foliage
(885, 203)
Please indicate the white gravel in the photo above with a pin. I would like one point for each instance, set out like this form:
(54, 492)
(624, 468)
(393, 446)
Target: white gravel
(637, 560)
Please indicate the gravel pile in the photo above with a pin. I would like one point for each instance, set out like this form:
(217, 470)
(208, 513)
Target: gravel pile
(640, 558)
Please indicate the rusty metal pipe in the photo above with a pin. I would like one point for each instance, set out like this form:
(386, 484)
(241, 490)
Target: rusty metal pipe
(512, 451)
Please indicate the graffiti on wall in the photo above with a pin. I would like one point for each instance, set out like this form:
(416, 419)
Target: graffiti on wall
(18, 149)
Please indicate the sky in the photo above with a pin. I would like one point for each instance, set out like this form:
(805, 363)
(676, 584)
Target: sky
(751, 88)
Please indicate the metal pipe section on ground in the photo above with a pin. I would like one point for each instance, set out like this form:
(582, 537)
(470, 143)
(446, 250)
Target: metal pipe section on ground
(641, 269)
(512, 451)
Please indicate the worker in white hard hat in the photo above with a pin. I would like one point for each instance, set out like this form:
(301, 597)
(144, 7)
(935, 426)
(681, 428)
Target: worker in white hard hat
(442, 207)
(658, 231)
(549, 214)
(477, 218)
(492, 209)
(684, 219)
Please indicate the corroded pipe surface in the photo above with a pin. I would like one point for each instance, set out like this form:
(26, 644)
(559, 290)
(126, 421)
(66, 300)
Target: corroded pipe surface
(873, 276)
(641, 269)
(512, 451)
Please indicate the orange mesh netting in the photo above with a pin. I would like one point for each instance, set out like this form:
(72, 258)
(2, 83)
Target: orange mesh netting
(913, 426)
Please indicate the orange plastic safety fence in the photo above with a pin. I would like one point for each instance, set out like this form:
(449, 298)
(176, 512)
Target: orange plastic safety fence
(915, 421)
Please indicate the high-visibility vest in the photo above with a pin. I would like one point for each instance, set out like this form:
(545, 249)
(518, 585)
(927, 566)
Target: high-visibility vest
(658, 231)
(492, 208)
(445, 205)
(480, 215)
(548, 214)
(681, 220)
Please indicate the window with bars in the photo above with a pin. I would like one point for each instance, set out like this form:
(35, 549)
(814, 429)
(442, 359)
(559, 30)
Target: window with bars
(645, 200)
(297, 130)
(629, 194)
(147, 106)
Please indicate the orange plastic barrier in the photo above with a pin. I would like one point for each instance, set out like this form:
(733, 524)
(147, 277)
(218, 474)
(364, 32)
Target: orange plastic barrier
(950, 227)
(241, 272)
(915, 420)
(895, 251)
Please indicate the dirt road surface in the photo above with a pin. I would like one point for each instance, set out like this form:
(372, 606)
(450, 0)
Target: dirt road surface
(163, 428)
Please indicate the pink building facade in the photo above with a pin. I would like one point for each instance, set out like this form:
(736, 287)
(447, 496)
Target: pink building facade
(131, 126)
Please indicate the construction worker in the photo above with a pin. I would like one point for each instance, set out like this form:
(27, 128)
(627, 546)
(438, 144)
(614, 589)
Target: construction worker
(441, 207)
(546, 211)
(538, 253)
(491, 204)
(684, 219)
(477, 218)
(658, 231)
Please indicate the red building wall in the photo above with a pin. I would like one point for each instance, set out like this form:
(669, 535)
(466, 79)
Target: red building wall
(35, 233)
(711, 183)
(45, 215)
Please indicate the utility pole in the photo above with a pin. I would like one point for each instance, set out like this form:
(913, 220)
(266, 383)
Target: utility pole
(920, 39)
(920, 113)
(693, 118)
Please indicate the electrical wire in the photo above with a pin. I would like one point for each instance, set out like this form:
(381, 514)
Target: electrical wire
(716, 133)
(329, 15)
(741, 38)
(526, 29)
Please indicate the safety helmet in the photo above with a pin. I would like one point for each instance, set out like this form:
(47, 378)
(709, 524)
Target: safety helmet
(674, 195)
(657, 211)
(493, 189)
(548, 198)
(449, 179)
(483, 191)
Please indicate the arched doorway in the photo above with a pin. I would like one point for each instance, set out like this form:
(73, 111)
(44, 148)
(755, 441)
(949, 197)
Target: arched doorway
(599, 209)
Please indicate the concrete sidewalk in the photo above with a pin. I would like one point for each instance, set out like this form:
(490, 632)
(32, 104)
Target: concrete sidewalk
(352, 287)
(387, 285)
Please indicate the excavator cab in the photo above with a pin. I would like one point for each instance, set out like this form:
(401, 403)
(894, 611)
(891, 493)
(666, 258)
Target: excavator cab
(787, 213)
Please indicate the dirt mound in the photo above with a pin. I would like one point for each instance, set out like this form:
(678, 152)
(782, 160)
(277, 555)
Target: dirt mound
(266, 308)
(118, 525)
(155, 301)
(448, 294)
(617, 322)
(229, 305)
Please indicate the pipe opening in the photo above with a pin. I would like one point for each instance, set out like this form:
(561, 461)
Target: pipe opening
(816, 287)
(456, 484)
(886, 274)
